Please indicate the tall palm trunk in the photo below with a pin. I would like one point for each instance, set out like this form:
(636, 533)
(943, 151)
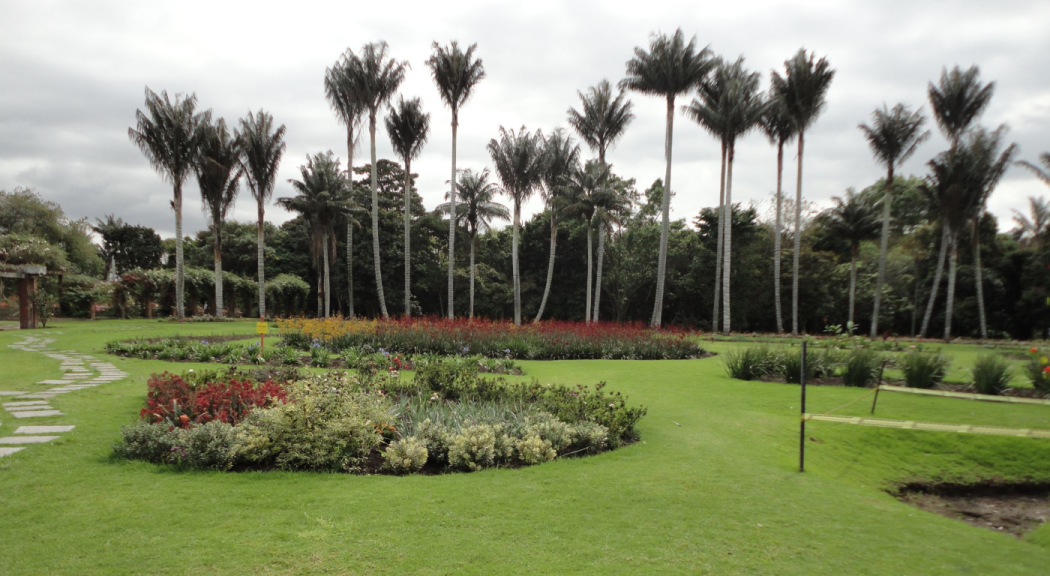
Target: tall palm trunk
(852, 284)
(452, 220)
(327, 280)
(778, 228)
(661, 265)
(590, 286)
(598, 275)
(887, 205)
(950, 300)
(721, 237)
(260, 245)
(349, 221)
(978, 278)
(408, 237)
(217, 253)
(798, 237)
(473, 241)
(728, 242)
(350, 267)
(550, 264)
(375, 216)
(945, 240)
(514, 263)
(180, 277)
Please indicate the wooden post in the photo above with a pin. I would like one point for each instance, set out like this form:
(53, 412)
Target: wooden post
(24, 313)
(802, 417)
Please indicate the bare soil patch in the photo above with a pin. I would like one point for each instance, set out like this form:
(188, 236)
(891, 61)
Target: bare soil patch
(1013, 508)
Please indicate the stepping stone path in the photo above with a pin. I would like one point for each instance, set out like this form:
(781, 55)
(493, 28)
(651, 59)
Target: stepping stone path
(81, 371)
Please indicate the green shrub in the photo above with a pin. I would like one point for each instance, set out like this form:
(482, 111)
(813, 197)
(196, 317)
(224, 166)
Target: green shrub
(924, 370)
(210, 445)
(328, 423)
(150, 442)
(750, 363)
(991, 374)
(405, 456)
(479, 446)
(451, 379)
(287, 356)
(534, 450)
(819, 364)
(320, 357)
(861, 368)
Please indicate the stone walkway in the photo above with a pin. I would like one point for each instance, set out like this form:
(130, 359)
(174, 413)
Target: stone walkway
(81, 371)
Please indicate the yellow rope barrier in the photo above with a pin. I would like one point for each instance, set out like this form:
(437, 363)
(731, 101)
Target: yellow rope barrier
(848, 404)
(931, 426)
(966, 395)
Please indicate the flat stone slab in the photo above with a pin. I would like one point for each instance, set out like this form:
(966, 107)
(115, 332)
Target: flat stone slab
(8, 451)
(26, 439)
(26, 403)
(37, 414)
(28, 408)
(10, 393)
(39, 395)
(43, 429)
(53, 382)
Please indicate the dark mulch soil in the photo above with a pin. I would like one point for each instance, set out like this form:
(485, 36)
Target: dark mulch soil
(1014, 508)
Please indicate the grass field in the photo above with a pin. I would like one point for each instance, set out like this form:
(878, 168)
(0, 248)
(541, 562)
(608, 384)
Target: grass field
(712, 488)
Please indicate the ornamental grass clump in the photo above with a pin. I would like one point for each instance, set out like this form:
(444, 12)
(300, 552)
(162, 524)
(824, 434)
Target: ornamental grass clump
(991, 374)
(923, 370)
(819, 364)
(751, 363)
(862, 368)
(1038, 371)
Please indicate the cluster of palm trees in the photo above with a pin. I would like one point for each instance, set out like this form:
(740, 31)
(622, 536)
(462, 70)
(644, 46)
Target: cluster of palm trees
(179, 140)
(729, 103)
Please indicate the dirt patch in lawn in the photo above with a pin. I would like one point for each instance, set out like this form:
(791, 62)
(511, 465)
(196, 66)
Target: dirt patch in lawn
(1014, 508)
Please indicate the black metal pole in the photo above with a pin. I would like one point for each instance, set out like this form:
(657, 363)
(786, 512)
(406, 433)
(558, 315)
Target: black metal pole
(878, 386)
(802, 418)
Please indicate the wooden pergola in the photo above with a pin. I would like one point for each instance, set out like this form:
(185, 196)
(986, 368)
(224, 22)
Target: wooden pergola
(27, 275)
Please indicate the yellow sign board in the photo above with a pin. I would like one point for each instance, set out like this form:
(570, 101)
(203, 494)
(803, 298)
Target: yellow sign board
(262, 328)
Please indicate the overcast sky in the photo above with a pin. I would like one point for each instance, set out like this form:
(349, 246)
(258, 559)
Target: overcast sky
(73, 73)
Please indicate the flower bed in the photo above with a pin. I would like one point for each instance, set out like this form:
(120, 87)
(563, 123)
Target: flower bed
(446, 419)
(225, 349)
(537, 341)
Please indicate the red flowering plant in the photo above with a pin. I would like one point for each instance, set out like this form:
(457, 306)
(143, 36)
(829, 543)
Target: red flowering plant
(1038, 370)
(170, 398)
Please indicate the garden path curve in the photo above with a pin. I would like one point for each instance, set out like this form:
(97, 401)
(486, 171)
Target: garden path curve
(81, 371)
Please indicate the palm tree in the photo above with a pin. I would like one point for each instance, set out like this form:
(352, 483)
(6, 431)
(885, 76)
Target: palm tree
(262, 147)
(520, 163)
(1032, 229)
(603, 121)
(376, 77)
(477, 209)
(218, 177)
(779, 128)
(167, 134)
(102, 228)
(893, 136)
(456, 73)
(706, 111)
(670, 67)
(853, 219)
(958, 100)
(321, 197)
(802, 90)
(408, 127)
(581, 189)
(348, 106)
(959, 182)
(993, 165)
(1040, 173)
(608, 205)
(730, 104)
(563, 156)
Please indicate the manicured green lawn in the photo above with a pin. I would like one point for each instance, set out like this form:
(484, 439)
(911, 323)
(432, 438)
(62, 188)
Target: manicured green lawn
(712, 488)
